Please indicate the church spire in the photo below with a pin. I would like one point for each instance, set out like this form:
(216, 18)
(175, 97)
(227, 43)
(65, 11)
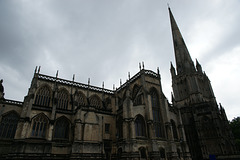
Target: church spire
(184, 63)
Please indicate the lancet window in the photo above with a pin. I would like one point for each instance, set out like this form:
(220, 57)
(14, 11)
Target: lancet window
(174, 130)
(119, 127)
(80, 99)
(8, 125)
(140, 128)
(136, 96)
(62, 100)
(158, 126)
(162, 153)
(39, 126)
(61, 129)
(95, 101)
(43, 97)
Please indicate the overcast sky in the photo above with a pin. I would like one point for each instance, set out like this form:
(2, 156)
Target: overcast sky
(105, 39)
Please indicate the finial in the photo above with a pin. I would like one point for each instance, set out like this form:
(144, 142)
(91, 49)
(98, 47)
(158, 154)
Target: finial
(168, 5)
(73, 77)
(88, 81)
(113, 86)
(140, 66)
(128, 75)
(103, 84)
(143, 65)
(57, 74)
(120, 82)
(35, 70)
(158, 72)
(39, 69)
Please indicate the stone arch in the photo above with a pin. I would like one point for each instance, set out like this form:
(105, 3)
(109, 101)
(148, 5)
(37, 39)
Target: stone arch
(39, 126)
(143, 153)
(156, 112)
(8, 124)
(62, 128)
(95, 101)
(135, 90)
(162, 153)
(43, 96)
(62, 99)
(80, 99)
(140, 126)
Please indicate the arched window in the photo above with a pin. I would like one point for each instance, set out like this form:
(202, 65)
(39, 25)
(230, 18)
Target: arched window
(143, 154)
(119, 127)
(80, 99)
(39, 127)
(43, 97)
(158, 126)
(174, 130)
(137, 96)
(162, 153)
(135, 91)
(8, 125)
(61, 129)
(140, 126)
(62, 100)
(95, 101)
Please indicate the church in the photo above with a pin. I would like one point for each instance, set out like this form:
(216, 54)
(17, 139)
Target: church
(64, 119)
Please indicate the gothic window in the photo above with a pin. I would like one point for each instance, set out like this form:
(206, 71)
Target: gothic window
(136, 88)
(136, 96)
(158, 126)
(80, 99)
(8, 125)
(95, 101)
(120, 127)
(39, 127)
(174, 130)
(61, 129)
(62, 100)
(108, 103)
(43, 97)
(162, 153)
(143, 154)
(140, 126)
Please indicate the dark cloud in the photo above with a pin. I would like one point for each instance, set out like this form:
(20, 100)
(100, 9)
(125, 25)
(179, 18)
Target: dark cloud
(104, 40)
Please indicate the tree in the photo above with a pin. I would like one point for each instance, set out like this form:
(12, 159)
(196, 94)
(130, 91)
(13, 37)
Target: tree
(235, 125)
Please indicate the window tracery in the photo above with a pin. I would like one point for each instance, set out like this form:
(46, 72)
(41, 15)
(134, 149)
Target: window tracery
(158, 126)
(80, 99)
(95, 101)
(43, 97)
(62, 100)
(8, 125)
(39, 127)
(140, 128)
(61, 129)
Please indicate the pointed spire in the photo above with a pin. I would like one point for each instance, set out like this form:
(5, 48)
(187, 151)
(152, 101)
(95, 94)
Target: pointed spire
(73, 77)
(39, 69)
(143, 65)
(198, 66)
(120, 82)
(172, 69)
(35, 70)
(57, 74)
(184, 62)
(140, 66)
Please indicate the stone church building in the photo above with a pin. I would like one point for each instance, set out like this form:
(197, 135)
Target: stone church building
(64, 119)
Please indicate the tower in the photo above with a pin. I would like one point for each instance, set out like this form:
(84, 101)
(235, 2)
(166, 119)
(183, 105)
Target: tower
(205, 123)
